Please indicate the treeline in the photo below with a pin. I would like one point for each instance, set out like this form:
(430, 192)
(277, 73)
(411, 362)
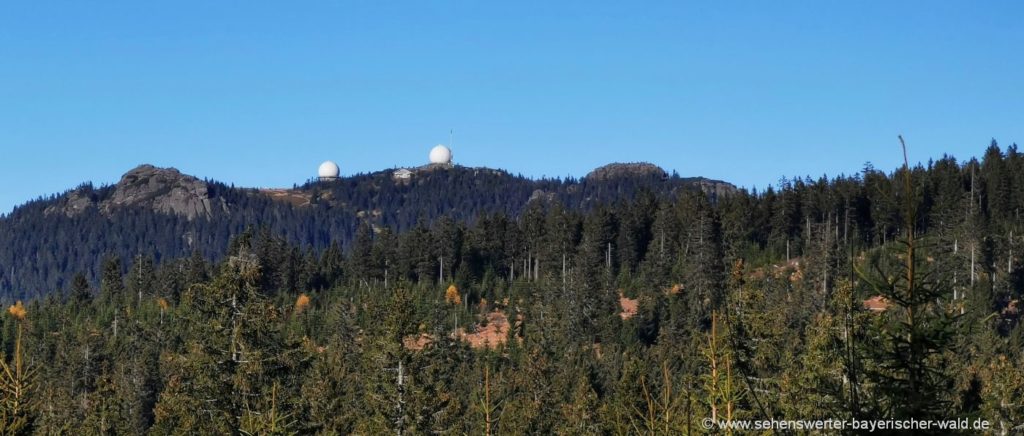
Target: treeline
(45, 242)
(868, 297)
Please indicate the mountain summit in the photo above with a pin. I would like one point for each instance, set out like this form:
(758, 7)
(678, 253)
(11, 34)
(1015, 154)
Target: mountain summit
(614, 170)
(164, 190)
(163, 213)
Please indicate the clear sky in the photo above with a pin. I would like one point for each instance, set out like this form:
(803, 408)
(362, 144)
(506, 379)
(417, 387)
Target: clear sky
(259, 93)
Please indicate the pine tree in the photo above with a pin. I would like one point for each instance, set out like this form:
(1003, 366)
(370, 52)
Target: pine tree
(17, 383)
(233, 356)
(111, 283)
(721, 389)
(1002, 392)
(386, 364)
(916, 331)
(141, 278)
(81, 291)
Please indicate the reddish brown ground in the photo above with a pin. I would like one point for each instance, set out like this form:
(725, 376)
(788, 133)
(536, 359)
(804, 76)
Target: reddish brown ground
(629, 306)
(791, 269)
(294, 197)
(417, 342)
(877, 303)
(493, 334)
(1012, 309)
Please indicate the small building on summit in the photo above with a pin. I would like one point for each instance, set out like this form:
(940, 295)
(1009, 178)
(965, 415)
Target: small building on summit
(402, 174)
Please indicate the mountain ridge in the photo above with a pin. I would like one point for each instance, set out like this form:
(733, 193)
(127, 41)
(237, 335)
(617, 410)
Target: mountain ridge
(168, 190)
(162, 213)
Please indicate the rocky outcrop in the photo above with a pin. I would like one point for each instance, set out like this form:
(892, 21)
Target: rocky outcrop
(77, 202)
(617, 170)
(541, 195)
(716, 188)
(164, 190)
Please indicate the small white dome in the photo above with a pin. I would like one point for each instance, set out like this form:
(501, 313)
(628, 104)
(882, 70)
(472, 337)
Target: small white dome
(329, 170)
(440, 155)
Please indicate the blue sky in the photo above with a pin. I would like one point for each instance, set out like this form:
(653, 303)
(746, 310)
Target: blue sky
(258, 93)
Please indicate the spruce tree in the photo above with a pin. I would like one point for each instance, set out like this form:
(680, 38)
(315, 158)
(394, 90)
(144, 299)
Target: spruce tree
(913, 338)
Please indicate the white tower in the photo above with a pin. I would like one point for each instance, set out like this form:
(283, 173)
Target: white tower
(328, 171)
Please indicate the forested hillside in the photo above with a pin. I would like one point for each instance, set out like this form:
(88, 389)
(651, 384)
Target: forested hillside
(879, 295)
(154, 214)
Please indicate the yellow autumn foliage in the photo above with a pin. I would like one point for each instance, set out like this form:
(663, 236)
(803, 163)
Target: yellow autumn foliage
(451, 296)
(18, 311)
(301, 303)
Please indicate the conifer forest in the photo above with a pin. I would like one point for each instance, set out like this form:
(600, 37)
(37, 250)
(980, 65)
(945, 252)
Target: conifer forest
(474, 301)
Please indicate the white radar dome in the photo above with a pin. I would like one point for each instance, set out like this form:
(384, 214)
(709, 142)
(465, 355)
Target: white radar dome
(440, 155)
(328, 170)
